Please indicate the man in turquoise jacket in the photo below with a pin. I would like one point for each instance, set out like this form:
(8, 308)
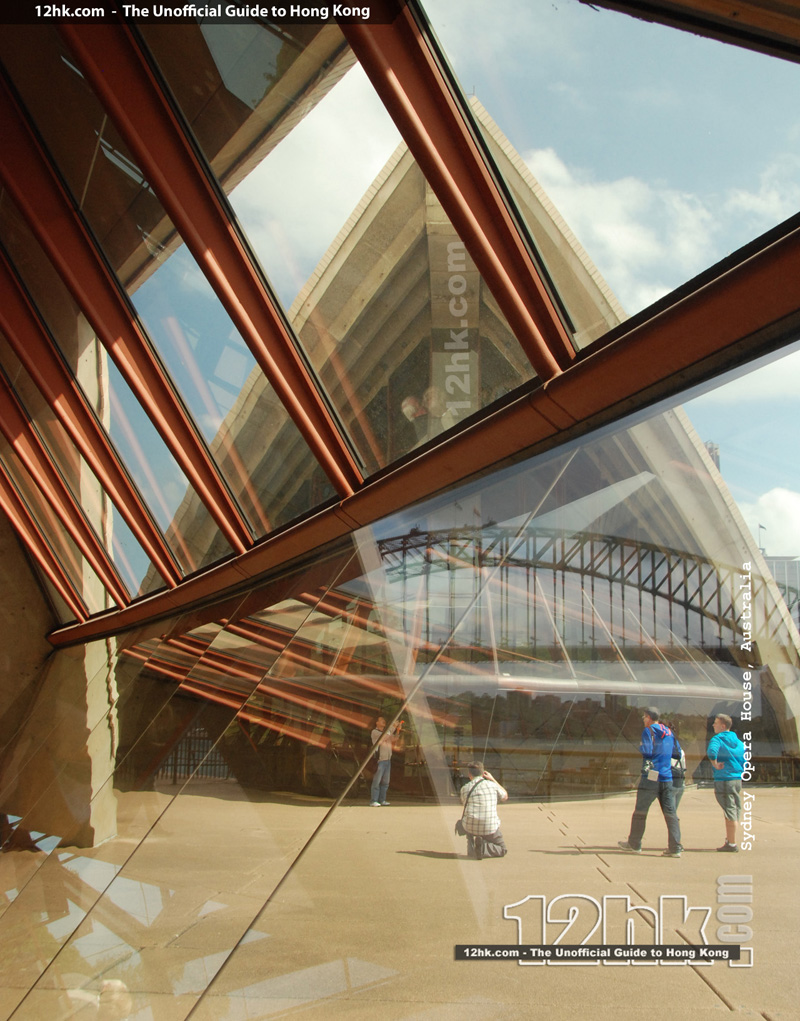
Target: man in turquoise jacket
(726, 753)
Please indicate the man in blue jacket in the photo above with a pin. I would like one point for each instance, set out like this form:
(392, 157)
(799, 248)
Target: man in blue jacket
(726, 753)
(658, 747)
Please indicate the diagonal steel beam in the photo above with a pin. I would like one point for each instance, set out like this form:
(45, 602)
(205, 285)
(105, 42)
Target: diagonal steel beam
(32, 455)
(768, 26)
(48, 210)
(406, 76)
(157, 138)
(35, 543)
(747, 307)
(29, 340)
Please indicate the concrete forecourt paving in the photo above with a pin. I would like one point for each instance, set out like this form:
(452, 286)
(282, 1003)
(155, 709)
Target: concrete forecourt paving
(228, 909)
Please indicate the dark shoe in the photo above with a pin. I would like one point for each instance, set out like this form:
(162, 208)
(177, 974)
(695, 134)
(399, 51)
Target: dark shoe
(627, 847)
(728, 847)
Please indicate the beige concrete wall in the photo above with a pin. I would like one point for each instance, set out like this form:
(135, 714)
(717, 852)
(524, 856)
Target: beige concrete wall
(55, 772)
(26, 619)
(57, 734)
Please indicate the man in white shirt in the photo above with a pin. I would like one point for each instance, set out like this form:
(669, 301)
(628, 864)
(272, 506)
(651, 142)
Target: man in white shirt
(481, 821)
(383, 753)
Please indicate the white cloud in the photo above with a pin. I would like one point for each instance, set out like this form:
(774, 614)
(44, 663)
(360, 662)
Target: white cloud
(647, 238)
(295, 203)
(778, 511)
(778, 194)
(548, 32)
(777, 380)
(644, 239)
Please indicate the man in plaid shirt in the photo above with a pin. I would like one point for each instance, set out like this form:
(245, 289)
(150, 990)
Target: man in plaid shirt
(479, 797)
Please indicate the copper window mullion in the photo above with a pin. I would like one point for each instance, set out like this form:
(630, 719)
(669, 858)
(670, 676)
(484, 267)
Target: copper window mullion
(36, 460)
(757, 299)
(402, 69)
(34, 541)
(751, 25)
(40, 196)
(38, 355)
(749, 308)
(158, 140)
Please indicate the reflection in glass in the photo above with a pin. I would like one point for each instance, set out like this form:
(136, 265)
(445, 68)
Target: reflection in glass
(387, 305)
(112, 529)
(209, 363)
(663, 150)
(185, 756)
(208, 781)
(141, 448)
(524, 619)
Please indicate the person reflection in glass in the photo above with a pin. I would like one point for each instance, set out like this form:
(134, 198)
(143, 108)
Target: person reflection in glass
(658, 746)
(386, 743)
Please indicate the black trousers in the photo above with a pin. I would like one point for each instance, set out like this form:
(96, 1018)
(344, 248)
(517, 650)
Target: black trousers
(648, 792)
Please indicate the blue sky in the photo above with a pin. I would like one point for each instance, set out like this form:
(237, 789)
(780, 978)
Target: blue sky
(664, 151)
(755, 421)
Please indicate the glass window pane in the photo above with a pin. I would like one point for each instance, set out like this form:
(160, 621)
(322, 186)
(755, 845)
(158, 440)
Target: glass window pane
(387, 305)
(209, 363)
(151, 465)
(750, 431)
(525, 619)
(111, 528)
(604, 577)
(663, 151)
(90, 590)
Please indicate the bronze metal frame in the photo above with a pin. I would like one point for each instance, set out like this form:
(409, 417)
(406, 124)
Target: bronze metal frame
(747, 307)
